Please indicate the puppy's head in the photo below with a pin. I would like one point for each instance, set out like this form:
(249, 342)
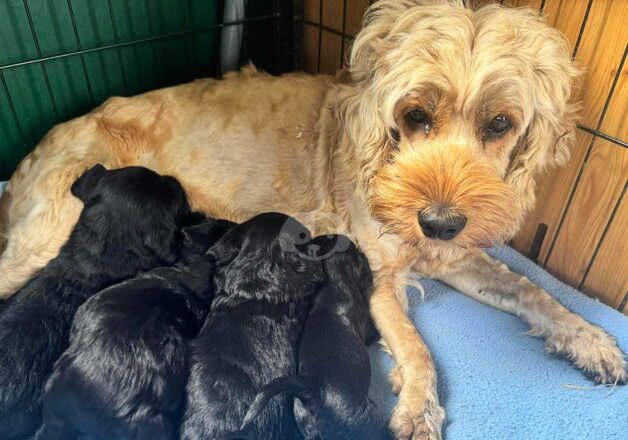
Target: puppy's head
(257, 260)
(132, 212)
(348, 269)
(349, 272)
(451, 114)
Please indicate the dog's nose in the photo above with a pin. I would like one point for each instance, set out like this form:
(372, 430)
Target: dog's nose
(441, 222)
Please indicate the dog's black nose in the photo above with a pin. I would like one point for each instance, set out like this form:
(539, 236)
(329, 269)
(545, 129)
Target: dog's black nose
(441, 222)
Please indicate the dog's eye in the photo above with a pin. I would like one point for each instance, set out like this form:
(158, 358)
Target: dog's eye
(418, 119)
(498, 126)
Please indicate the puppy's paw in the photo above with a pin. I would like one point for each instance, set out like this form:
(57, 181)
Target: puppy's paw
(395, 380)
(593, 351)
(417, 416)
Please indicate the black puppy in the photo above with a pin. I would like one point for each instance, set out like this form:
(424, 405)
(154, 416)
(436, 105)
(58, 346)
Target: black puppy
(124, 374)
(129, 223)
(261, 300)
(334, 369)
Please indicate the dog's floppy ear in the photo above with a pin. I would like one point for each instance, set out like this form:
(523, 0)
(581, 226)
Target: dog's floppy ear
(551, 131)
(366, 102)
(81, 188)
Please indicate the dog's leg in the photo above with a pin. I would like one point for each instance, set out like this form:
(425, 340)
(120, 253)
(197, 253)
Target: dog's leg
(418, 414)
(565, 333)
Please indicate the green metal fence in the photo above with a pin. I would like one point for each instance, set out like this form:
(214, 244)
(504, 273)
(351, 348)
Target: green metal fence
(60, 58)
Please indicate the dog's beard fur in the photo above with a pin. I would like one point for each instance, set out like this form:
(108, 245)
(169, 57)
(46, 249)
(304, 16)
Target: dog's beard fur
(417, 178)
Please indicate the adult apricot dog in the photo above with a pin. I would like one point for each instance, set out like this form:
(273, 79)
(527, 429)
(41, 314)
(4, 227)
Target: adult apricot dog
(425, 152)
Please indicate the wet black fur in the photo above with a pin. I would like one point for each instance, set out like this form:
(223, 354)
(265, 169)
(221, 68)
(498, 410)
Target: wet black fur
(262, 288)
(129, 223)
(334, 369)
(123, 376)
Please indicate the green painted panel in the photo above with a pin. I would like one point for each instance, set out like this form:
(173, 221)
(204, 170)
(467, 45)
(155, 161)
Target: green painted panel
(36, 96)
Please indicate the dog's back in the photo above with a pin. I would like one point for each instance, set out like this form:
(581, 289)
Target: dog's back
(262, 292)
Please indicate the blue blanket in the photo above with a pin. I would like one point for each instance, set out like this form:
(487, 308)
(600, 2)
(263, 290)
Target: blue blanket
(495, 382)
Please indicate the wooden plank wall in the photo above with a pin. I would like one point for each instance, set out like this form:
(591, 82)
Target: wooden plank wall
(579, 230)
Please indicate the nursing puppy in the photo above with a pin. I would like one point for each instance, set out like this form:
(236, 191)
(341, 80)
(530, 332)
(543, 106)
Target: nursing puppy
(262, 290)
(124, 374)
(129, 223)
(334, 369)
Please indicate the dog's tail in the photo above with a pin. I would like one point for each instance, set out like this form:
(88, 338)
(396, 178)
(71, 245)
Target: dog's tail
(303, 387)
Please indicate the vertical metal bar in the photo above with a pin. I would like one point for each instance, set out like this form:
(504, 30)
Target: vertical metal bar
(164, 48)
(601, 240)
(188, 46)
(102, 60)
(611, 92)
(118, 50)
(152, 32)
(563, 215)
(320, 35)
(132, 33)
(622, 304)
(585, 160)
(11, 105)
(537, 242)
(277, 35)
(80, 47)
(298, 34)
(582, 26)
(344, 31)
(542, 7)
(39, 55)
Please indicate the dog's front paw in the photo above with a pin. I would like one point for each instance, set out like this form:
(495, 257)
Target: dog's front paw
(417, 416)
(593, 351)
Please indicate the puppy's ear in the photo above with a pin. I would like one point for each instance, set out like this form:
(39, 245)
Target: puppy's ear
(163, 244)
(225, 250)
(350, 270)
(192, 219)
(199, 237)
(83, 186)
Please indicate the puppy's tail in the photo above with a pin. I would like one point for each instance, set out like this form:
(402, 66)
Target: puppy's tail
(303, 387)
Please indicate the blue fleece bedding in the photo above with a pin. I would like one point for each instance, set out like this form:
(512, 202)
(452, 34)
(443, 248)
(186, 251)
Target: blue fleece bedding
(497, 383)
